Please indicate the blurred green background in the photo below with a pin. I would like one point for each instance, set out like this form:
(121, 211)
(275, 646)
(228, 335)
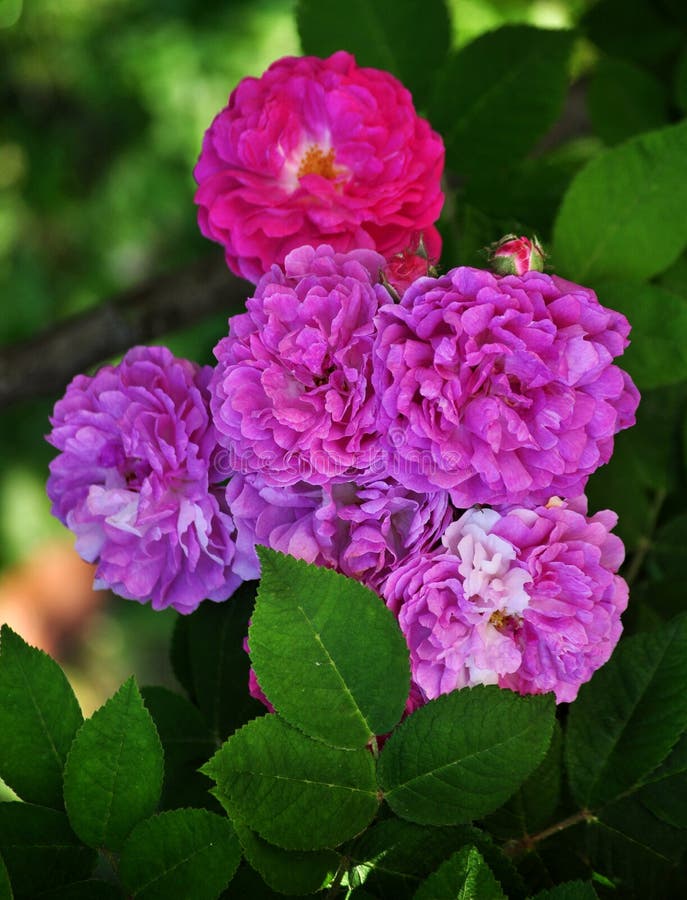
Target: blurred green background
(103, 107)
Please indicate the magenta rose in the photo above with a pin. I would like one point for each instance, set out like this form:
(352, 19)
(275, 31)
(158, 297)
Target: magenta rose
(501, 389)
(135, 481)
(528, 599)
(292, 391)
(317, 151)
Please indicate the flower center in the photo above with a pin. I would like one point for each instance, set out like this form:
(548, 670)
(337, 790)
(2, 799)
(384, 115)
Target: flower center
(316, 162)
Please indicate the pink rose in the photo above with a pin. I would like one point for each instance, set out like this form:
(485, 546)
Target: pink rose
(318, 151)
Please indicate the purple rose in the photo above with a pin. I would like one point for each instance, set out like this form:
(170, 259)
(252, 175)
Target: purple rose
(502, 389)
(527, 599)
(134, 481)
(292, 392)
(362, 529)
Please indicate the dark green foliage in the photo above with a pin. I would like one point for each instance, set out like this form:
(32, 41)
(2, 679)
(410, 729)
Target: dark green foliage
(216, 664)
(397, 35)
(488, 103)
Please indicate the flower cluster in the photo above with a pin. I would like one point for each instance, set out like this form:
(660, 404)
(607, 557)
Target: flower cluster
(430, 436)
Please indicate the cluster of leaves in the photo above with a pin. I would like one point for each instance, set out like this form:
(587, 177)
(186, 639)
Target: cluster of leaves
(337, 789)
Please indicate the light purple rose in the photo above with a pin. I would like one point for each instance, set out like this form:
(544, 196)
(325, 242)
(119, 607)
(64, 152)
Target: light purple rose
(134, 480)
(503, 389)
(292, 391)
(526, 599)
(362, 529)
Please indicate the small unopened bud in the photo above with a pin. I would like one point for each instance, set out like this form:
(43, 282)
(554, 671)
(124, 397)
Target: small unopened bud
(404, 268)
(514, 255)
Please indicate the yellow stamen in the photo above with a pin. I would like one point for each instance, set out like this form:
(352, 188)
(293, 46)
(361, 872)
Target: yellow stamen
(316, 162)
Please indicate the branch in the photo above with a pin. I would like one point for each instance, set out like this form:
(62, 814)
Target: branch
(45, 364)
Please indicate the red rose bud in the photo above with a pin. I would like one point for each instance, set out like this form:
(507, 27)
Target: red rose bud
(406, 267)
(514, 255)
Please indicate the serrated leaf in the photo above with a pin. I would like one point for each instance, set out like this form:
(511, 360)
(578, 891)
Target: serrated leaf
(657, 356)
(499, 94)
(113, 775)
(295, 792)
(187, 744)
(179, 854)
(292, 872)
(625, 100)
(219, 665)
(665, 789)
(571, 890)
(464, 876)
(327, 652)
(40, 849)
(623, 214)
(463, 754)
(39, 716)
(628, 717)
(394, 35)
(532, 805)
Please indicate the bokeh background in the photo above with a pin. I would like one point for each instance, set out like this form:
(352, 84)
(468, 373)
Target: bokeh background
(103, 104)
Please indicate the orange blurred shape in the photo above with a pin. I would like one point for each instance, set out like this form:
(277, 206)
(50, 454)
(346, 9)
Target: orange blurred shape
(48, 598)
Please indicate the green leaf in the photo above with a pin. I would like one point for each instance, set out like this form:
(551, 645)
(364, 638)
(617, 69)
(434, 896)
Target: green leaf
(666, 787)
(464, 876)
(463, 754)
(219, 666)
(625, 100)
(113, 775)
(40, 849)
(293, 872)
(179, 854)
(623, 214)
(571, 890)
(327, 638)
(657, 355)
(295, 792)
(39, 716)
(187, 744)
(628, 717)
(498, 95)
(532, 806)
(394, 35)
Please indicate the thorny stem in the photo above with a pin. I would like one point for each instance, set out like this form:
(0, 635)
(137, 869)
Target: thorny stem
(530, 841)
(645, 543)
